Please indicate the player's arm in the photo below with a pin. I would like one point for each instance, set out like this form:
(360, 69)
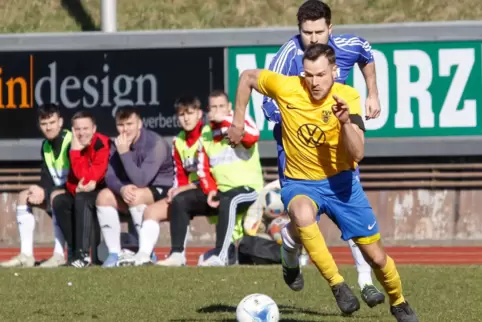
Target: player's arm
(264, 81)
(251, 134)
(352, 126)
(111, 178)
(366, 62)
(180, 176)
(95, 169)
(206, 180)
(282, 63)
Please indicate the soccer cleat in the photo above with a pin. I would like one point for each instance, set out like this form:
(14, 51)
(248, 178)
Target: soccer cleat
(372, 296)
(56, 260)
(21, 260)
(174, 259)
(403, 313)
(111, 260)
(346, 300)
(81, 260)
(212, 261)
(292, 275)
(138, 259)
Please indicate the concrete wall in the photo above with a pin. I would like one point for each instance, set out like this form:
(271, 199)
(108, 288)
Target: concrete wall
(406, 217)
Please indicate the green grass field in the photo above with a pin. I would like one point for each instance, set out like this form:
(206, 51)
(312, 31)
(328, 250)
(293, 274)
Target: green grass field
(77, 15)
(438, 293)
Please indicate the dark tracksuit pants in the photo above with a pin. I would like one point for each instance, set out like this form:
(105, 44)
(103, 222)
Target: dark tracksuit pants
(75, 216)
(191, 203)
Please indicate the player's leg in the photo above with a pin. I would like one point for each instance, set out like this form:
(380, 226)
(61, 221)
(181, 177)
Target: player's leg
(370, 294)
(84, 214)
(356, 220)
(108, 206)
(26, 228)
(231, 203)
(183, 206)
(303, 201)
(149, 234)
(58, 256)
(63, 209)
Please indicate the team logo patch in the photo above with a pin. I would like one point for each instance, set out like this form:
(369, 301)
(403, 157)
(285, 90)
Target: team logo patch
(325, 116)
(311, 135)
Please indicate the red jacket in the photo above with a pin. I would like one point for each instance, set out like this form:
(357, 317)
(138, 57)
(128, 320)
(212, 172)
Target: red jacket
(89, 163)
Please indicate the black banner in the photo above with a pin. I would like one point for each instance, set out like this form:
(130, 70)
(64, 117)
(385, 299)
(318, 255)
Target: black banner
(101, 81)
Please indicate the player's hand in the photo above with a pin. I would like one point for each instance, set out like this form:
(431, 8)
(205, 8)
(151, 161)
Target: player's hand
(171, 193)
(212, 199)
(128, 193)
(75, 143)
(216, 117)
(341, 110)
(36, 195)
(90, 186)
(372, 107)
(122, 143)
(235, 134)
(80, 186)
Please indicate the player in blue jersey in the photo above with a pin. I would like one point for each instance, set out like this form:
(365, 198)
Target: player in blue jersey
(314, 23)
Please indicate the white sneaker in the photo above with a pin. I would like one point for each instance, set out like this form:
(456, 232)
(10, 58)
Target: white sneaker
(175, 259)
(55, 261)
(214, 260)
(21, 260)
(138, 259)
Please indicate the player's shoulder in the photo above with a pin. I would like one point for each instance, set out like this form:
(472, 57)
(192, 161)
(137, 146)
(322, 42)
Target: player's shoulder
(345, 90)
(349, 40)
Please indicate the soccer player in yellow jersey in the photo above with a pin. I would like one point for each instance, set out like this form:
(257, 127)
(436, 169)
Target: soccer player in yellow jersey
(323, 136)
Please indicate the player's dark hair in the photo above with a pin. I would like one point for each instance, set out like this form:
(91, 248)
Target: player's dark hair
(187, 101)
(315, 51)
(313, 10)
(83, 115)
(218, 93)
(125, 112)
(47, 110)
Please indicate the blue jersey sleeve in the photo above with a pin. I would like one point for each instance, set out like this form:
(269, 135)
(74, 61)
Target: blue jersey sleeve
(365, 51)
(282, 63)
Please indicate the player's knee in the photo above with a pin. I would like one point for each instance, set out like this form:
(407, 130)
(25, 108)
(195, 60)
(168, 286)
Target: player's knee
(379, 259)
(179, 202)
(302, 211)
(22, 198)
(57, 201)
(105, 198)
(156, 212)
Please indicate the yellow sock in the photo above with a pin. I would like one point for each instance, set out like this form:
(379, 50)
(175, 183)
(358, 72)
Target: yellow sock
(315, 245)
(389, 278)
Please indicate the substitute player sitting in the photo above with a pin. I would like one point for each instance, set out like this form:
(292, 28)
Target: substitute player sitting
(323, 138)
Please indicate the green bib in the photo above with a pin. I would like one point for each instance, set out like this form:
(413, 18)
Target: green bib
(189, 154)
(58, 168)
(233, 167)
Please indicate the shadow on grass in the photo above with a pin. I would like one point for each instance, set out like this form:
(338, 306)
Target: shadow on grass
(76, 10)
(284, 309)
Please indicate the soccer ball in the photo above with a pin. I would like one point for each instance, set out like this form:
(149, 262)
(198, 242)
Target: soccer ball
(257, 308)
(274, 228)
(273, 206)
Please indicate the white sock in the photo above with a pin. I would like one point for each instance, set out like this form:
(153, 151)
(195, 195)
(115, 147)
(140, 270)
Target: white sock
(137, 213)
(26, 228)
(59, 237)
(111, 228)
(363, 268)
(290, 248)
(148, 236)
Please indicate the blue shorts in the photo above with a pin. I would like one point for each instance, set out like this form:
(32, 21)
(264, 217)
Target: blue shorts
(282, 155)
(342, 198)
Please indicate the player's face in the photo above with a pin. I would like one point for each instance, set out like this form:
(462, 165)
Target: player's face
(51, 126)
(130, 126)
(319, 77)
(189, 117)
(219, 107)
(315, 32)
(84, 130)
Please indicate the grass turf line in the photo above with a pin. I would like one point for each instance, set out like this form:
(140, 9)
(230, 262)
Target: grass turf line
(437, 293)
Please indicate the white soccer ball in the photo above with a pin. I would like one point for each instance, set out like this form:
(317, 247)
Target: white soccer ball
(272, 205)
(257, 308)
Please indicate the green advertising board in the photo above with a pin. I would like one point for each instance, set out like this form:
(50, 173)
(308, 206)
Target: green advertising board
(426, 89)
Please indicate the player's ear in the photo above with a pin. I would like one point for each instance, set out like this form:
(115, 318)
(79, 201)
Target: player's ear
(330, 28)
(334, 71)
(61, 122)
(230, 106)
